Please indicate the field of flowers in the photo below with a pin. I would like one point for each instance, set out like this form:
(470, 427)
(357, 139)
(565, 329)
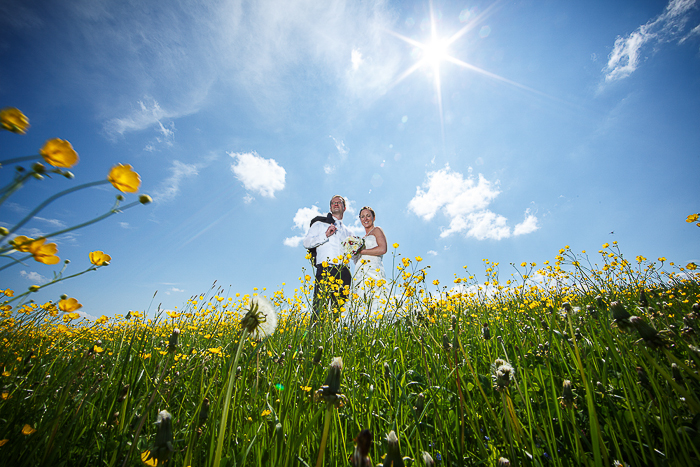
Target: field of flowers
(568, 363)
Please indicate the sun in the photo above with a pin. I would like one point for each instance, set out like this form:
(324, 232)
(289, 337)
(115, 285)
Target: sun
(435, 52)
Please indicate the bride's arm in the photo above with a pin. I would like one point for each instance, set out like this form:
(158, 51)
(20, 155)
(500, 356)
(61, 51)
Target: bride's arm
(380, 249)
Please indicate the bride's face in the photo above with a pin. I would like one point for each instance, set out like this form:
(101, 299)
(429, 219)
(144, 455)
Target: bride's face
(366, 218)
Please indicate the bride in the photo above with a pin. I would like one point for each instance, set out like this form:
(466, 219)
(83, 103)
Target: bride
(369, 277)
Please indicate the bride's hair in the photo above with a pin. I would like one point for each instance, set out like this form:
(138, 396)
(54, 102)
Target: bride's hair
(374, 216)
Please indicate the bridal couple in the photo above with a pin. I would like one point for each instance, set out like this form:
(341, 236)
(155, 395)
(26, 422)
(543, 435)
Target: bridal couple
(324, 240)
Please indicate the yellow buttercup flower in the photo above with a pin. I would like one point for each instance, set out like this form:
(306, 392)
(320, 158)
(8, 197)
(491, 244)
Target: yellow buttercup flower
(98, 258)
(691, 266)
(147, 459)
(3, 442)
(395, 245)
(59, 153)
(28, 430)
(44, 252)
(124, 178)
(12, 119)
(21, 243)
(69, 305)
(692, 218)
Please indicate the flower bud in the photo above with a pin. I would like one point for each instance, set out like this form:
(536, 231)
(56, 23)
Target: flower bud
(38, 176)
(68, 174)
(120, 197)
(162, 448)
(4, 232)
(393, 453)
(39, 168)
(34, 288)
(172, 342)
(318, 355)
(145, 199)
(204, 411)
(64, 297)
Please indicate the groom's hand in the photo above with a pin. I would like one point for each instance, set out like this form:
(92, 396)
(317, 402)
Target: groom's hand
(331, 230)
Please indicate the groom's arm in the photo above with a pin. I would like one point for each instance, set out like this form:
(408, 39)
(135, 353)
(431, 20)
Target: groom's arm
(316, 235)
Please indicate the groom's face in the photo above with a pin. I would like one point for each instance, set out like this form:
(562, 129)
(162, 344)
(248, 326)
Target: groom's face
(337, 206)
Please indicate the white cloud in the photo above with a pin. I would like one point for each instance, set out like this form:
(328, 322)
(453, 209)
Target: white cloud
(173, 289)
(328, 169)
(451, 192)
(170, 187)
(34, 277)
(301, 220)
(260, 175)
(627, 51)
(293, 241)
(304, 215)
(464, 201)
(432, 252)
(527, 226)
(147, 113)
(356, 59)
(55, 223)
(124, 225)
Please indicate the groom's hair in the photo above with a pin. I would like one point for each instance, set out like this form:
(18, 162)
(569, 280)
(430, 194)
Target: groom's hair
(341, 198)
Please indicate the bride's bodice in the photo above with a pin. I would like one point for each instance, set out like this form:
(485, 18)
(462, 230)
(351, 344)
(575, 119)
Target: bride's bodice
(371, 242)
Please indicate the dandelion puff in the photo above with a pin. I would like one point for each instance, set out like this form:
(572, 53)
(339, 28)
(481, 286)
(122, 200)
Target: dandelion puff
(261, 318)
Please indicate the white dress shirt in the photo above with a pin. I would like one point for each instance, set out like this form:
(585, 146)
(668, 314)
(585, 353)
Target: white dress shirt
(327, 248)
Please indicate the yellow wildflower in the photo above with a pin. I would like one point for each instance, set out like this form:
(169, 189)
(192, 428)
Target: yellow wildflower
(3, 442)
(69, 304)
(147, 459)
(692, 218)
(12, 119)
(98, 258)
(28, 430)
(21, 243)
(59, 153)
(395, 245)
(124, 179)
(419, 259)
(691, 266)
(265, 413)
(44, 252)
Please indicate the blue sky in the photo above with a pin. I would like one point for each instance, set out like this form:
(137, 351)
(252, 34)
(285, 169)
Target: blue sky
(499, 130)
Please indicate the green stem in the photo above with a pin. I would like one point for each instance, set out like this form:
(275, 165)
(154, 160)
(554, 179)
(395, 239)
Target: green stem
(19, 159)
(326, 426)
(227, 400)
(53, 198)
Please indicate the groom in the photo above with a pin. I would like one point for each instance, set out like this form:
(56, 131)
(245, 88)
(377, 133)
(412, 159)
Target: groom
(333, 276)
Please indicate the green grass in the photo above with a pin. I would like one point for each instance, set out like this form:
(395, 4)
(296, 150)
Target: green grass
(427, 370)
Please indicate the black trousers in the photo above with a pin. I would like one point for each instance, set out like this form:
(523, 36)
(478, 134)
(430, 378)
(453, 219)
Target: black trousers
(335, 278)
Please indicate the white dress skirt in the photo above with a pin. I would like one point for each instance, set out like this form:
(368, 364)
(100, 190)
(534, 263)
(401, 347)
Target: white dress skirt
(369, 291)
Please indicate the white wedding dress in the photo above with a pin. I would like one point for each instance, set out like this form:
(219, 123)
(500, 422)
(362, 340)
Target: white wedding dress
(369, 284)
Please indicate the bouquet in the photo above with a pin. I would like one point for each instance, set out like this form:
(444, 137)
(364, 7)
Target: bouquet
(352, 245)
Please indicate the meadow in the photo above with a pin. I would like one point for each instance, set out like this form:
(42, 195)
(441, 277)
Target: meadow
(568, 363)
(576, 362)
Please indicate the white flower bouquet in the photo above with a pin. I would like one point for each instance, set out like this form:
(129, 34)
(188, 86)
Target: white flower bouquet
(352, 245)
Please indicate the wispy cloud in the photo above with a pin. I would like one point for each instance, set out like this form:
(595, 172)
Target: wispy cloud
(668, 26)
(259, 175)
(173, 290)
(464, 201)
(54, 223)
(34, 277)
(170, 187)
